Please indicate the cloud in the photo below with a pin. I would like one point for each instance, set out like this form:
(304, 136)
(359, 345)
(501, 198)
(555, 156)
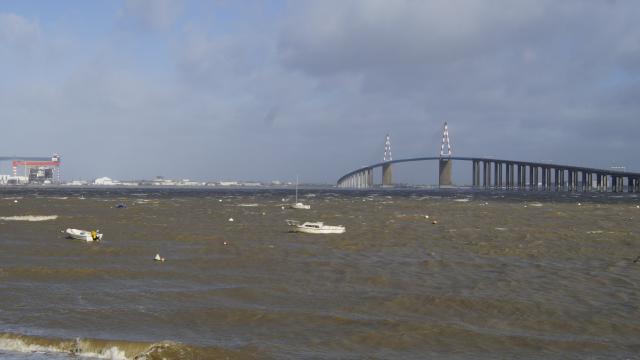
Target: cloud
(524, 79)
(18, 33)
(313, 88)
(152, 14)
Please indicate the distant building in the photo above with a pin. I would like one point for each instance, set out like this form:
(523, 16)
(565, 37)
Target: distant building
(251, 184)
(77, 183)
(105, 181)
(229, 183)
(17, 180)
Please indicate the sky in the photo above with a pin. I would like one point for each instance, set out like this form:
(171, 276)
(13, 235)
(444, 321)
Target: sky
(264, 90)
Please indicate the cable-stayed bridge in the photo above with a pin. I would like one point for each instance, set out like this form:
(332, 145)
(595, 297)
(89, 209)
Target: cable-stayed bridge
(491, 173)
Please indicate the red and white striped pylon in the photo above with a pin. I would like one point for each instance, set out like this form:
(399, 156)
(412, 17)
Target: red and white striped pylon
(445, 139)
(387, 149)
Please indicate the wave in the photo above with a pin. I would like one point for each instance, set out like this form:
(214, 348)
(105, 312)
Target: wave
(112, 350)
(29, 218)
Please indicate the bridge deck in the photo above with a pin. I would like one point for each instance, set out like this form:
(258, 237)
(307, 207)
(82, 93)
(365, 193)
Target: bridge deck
(494, 160)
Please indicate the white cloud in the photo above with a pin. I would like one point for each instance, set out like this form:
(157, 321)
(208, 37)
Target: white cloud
(18, 33)
(152, 14)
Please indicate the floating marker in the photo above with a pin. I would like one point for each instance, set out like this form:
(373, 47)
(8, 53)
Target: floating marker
(230, 219)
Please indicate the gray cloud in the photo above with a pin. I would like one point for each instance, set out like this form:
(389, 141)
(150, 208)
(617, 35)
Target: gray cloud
(526, 79)
(314, 90)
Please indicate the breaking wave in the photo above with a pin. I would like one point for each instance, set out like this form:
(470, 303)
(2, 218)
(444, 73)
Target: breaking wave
(29, 218)
(112, 350)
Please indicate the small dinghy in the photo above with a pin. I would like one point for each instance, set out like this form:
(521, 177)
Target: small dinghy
(85, 235)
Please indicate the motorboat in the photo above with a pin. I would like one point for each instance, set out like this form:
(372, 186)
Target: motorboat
(315, 227)
(85, 235)
(299, 205)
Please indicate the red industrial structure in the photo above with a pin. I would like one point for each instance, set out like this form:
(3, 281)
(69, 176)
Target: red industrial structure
(39, 170)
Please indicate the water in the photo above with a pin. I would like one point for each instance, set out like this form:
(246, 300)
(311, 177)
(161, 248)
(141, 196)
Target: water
(502, 275)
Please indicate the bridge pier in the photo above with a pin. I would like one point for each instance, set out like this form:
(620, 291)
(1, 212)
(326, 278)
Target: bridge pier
(519, 176)
(445, 178)
(473, 173)
(387, 175)
(512, 175)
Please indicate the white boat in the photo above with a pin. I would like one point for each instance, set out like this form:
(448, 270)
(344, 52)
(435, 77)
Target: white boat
(84, 234)
(299, 205)
(315, 227)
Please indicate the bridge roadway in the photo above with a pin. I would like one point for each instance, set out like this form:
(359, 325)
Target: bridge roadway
(25, 158)
(509, 174)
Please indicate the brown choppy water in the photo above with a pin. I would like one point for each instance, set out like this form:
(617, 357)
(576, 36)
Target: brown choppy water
(499, 276)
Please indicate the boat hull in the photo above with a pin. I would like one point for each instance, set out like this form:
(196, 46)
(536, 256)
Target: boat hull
(82, 235)
(319, 231)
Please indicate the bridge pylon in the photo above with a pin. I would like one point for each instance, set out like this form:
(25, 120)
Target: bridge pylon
(387, 174)
(445, 177)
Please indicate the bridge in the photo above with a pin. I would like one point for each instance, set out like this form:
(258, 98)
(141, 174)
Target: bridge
(491, 173)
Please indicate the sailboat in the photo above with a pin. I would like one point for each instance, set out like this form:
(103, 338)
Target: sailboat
(299, 205)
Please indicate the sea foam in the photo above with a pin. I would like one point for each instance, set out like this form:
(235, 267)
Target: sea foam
(29, 218)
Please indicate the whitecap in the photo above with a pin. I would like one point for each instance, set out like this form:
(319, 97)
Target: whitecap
(29, 218)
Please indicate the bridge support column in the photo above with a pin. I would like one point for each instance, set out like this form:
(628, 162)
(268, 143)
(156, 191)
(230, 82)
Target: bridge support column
(512, 175)
(476, 173)
(473, 173)
(543, 170)
(485, 173)
(387, 175)
(507, 176)
(445, 172)
(530, 177)
(519, 176)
